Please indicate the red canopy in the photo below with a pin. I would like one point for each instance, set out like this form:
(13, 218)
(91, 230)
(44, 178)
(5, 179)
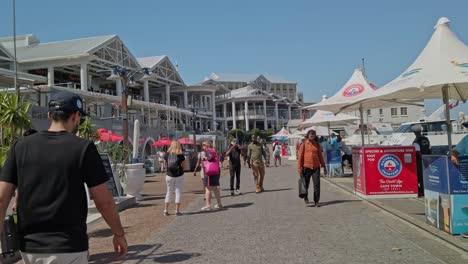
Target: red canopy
(162, 142)
(185, 141)
(106, 136)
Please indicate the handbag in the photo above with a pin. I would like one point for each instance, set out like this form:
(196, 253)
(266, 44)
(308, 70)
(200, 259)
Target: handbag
(302, 188)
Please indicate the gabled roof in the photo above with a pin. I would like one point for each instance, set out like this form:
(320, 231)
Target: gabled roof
(239, 77)
(5, 54)
(150, 62)
(61, 49)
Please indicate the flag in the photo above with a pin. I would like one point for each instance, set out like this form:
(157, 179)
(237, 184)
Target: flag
(453, 104)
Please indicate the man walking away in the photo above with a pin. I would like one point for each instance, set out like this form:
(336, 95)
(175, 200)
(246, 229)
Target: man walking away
(308, 164)
(234, 154)
(347, 153)
(256, 154)
(50, 169)
(423, 147)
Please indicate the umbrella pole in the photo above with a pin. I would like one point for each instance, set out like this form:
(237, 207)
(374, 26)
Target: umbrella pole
(362, 124)
(445, 95)
(328, 125)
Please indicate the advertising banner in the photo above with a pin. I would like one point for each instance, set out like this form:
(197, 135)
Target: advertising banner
(435, 170)
(358, 171)
(459, 213)
(390, 170)
(459, 176)
(333, 160)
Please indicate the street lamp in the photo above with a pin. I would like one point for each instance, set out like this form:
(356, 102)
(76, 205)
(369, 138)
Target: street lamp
(126, 76)
(194, 114)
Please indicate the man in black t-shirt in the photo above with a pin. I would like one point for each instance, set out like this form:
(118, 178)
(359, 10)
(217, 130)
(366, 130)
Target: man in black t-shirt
(423, 147)
(234, 154)
(50, 169)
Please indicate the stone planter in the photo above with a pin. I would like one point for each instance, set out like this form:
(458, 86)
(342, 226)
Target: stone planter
(135, 179)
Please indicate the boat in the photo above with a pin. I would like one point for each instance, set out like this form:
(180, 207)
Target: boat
(374, 134)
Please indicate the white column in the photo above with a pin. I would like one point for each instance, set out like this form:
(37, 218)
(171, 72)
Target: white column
(265, 120)
(213, 108)
(225, 116)
(289, 112)
(186, 99)
(168, 95)
(234, 125)
(246, 115)
(118, 87)
(84, 76)
(276, 115)
(50, 76)
(146, 90)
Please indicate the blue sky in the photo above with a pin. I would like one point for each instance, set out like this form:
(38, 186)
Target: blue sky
(316, 43)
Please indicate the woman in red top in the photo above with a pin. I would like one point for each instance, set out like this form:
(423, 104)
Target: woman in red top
(309, 162)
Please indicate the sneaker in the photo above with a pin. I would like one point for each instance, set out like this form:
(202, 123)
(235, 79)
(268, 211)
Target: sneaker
(238, 192)
(306, 201)
(178, 213)
(218, 206)
(232, 193)
(165, 213)
(206, 208)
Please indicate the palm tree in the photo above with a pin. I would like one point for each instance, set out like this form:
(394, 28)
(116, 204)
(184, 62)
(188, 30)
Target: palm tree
(14, 118)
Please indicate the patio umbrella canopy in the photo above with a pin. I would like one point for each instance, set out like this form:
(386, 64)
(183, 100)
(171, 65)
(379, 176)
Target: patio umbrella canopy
(321, 118)
(162, 142)
(319, 130)
(185, 141)
(282, 133)
(107, 136)
(440, 71)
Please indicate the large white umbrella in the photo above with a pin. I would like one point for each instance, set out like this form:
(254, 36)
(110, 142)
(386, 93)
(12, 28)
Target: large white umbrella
(325, 118)
(440, 71)
(319, 131)
(282, 133)
(356, 88)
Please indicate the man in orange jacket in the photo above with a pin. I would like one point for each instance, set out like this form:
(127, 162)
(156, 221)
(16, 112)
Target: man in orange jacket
(309, 162)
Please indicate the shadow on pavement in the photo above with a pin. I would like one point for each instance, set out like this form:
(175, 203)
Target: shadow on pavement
(133, 254)
(153, 197)
(272, 190)
(175, 257)
(103, 232)
(336, 202)
(239, 205)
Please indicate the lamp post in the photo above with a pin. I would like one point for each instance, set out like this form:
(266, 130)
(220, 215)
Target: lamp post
(194, 115)
(124, 75)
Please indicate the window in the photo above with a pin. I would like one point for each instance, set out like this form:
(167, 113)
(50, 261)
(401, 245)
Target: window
(381, 111)
(394, 112)
(404, 111)
(369, 112)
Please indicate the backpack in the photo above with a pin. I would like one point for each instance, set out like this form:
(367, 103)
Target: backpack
(211, 164)
(172, 162)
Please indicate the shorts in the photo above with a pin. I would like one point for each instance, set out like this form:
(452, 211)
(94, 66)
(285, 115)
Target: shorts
(211, 181)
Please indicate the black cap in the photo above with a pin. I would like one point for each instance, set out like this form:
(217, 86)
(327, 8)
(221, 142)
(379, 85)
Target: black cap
(66, 102)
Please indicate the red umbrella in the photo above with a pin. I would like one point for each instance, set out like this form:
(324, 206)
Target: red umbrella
(106, 136)
(162, 142)
(185, 141)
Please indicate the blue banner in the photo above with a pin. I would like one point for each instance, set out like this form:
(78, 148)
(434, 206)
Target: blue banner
(435, 173)
(334, 156)
(459, 176)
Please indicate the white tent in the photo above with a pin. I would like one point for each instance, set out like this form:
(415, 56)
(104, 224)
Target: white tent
(440, 71)
(282, 133)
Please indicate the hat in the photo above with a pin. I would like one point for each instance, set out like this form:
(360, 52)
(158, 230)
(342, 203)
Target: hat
(465, 124)
(66, 102)
(416, 128)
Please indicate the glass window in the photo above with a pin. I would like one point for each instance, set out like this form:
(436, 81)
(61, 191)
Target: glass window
(381, 111)
(394, 111)
(404, 111)
(369, 112)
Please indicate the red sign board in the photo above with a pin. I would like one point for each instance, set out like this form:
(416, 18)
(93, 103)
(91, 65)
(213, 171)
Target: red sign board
(385, 170)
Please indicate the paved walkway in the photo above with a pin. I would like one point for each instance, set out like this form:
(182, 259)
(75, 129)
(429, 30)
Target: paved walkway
(277, 227)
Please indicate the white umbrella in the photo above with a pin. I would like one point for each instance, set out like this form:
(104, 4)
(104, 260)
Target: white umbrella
(356, 88)
(440, 71)
(321, 118)
(319, 131)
